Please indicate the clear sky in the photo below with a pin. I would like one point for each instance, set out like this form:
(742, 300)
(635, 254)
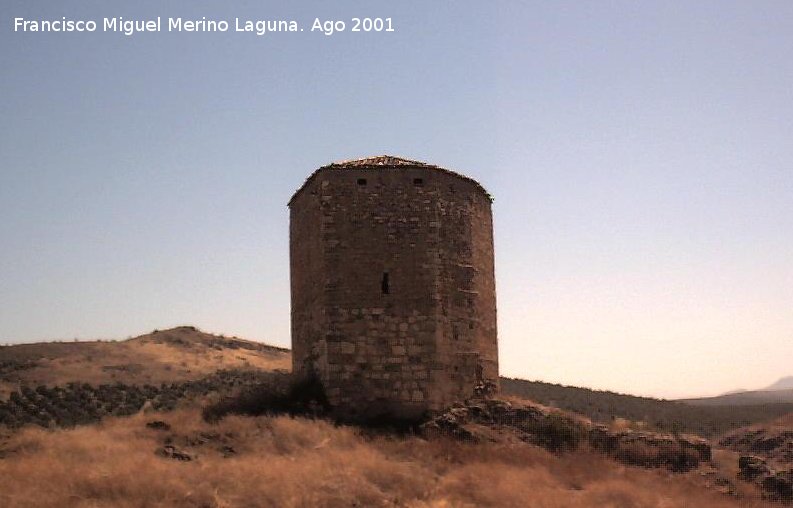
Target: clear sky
(640, 155)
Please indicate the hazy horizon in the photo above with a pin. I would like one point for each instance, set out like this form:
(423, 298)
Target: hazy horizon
(640, 157)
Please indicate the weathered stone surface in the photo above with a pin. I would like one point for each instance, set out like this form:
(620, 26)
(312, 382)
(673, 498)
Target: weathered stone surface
(772, 442)
(716, 480)
(751, 468)
(392, 273)
(496, 420)
(778, 487)
(649, 449)
(171, 452)
(158, 425)
(775, 485)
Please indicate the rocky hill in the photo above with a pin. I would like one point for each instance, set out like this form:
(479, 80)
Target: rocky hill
(766, 455)
(772, 441)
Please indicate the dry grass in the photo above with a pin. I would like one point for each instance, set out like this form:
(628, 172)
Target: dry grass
(280, 461)
(785, 422)
(168, 356)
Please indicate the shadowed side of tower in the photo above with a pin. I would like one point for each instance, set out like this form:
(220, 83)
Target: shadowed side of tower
(393, 290)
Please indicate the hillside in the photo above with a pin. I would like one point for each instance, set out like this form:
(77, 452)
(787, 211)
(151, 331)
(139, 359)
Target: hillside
(771, 440)
(177, 460)
(179, 354)
(169, 407)
(746, 398)
(786, 383)
(780, 392)
(604, 406)
(188, 359)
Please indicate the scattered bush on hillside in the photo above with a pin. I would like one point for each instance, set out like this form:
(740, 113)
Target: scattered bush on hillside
(9, 368)
(671, 455)
(664, 415)
(558, 433)
(80, 403)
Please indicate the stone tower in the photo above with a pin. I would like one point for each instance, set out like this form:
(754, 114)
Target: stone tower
(393, 289)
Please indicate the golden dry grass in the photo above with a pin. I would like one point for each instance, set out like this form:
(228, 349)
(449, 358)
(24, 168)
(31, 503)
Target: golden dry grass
(168, 356)
(287, 462)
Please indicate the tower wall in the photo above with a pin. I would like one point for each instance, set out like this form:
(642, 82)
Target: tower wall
(393, 293)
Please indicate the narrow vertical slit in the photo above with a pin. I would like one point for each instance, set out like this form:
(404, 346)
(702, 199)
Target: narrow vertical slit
(384, 286)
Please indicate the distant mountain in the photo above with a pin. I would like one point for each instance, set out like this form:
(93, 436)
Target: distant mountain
(786, 383)
(780, 396)
(733, 392)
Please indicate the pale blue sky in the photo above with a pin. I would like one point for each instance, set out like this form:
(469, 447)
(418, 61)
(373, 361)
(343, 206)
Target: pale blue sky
(640, 155)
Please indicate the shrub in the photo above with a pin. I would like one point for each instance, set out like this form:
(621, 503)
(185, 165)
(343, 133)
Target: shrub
(557, 433)
(672, 455)
(279, 394)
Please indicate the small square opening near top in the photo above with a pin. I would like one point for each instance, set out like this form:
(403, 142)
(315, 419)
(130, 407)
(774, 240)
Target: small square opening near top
(418, 182)
(362, 181)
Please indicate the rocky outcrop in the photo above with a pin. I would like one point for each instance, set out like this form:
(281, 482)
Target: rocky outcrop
(649, 449)
(766, 457)
(778, 487)
(171, 452)
(774, 443)
(158, 425)
(775, 485)
(750, 468)
(499, 420)
(190, 446)
(719, 481)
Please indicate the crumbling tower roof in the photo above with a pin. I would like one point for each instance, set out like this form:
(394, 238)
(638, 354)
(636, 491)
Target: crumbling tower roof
(383, 161)
(378, 160)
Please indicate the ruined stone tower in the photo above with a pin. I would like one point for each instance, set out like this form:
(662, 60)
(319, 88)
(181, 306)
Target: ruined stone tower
(393, 290)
